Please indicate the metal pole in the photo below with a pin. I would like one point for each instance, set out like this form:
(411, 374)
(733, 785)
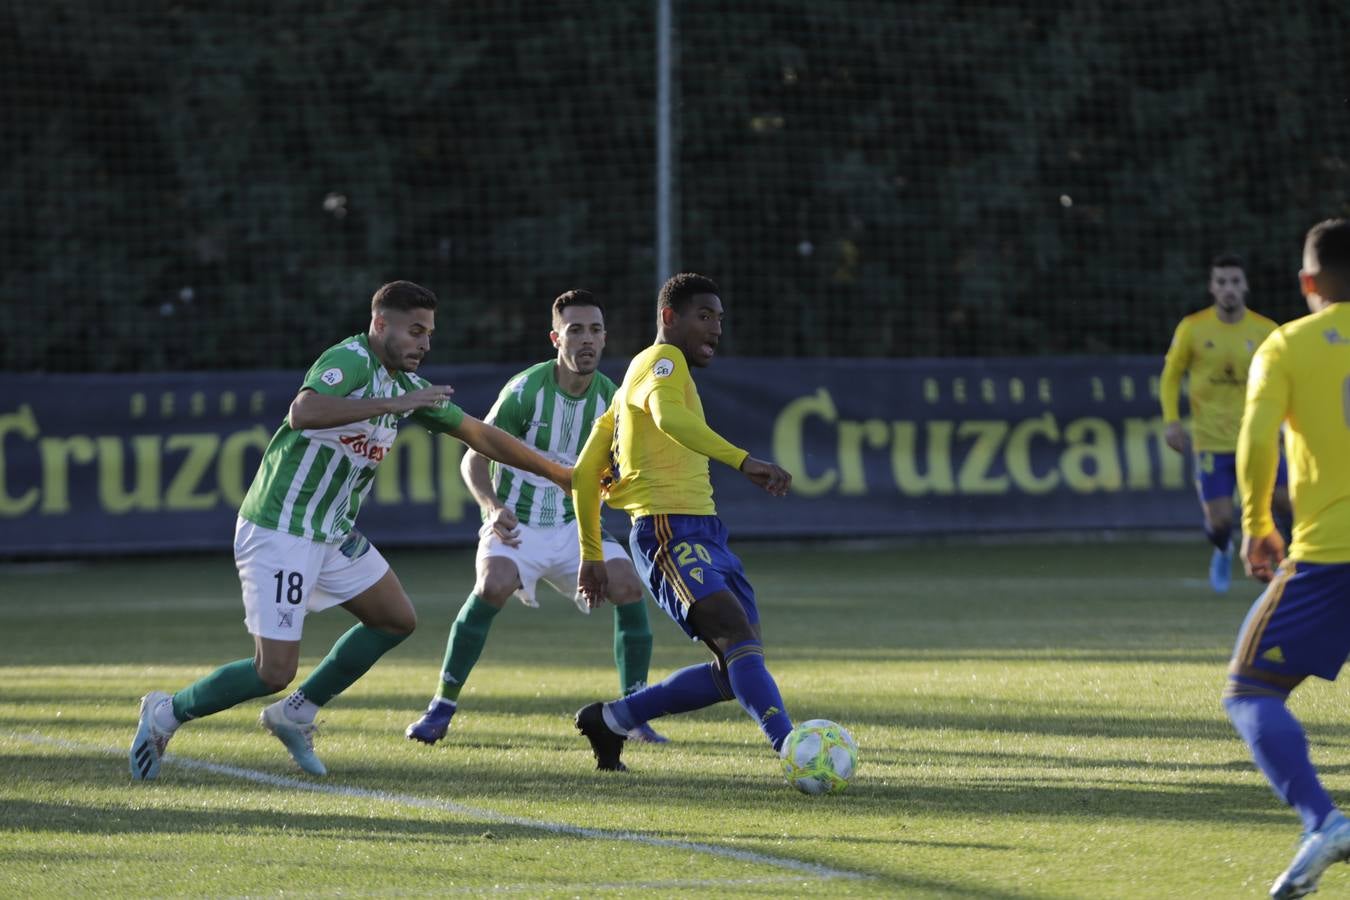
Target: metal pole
(664, 26)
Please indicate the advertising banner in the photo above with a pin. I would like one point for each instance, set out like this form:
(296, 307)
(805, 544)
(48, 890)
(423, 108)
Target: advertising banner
(99, 464)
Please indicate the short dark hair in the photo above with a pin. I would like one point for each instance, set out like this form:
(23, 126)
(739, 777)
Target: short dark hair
(1327, 248)
(680, 289)
(403, 296)
(1228, 261)
(574, 297)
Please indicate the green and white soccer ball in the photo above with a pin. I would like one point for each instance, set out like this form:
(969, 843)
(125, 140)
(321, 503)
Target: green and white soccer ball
(819, 757)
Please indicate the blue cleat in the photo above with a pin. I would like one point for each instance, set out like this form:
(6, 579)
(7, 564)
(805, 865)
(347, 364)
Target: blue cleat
(645, 734)
(147, 747)
(1221, 570)
(296, 737)
(1318, 850)
(433, 725)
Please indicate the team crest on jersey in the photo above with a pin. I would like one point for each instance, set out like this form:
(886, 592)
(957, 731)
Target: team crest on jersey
(696, 573)
(664, 368)
(285, 618)
(331, 377)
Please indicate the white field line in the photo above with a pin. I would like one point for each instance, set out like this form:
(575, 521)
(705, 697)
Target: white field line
(471, 812)
(578, 889)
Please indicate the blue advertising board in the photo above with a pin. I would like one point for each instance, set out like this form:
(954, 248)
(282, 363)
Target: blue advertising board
(96, 464)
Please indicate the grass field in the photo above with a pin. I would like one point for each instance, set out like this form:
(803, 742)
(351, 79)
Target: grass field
(1035, 721)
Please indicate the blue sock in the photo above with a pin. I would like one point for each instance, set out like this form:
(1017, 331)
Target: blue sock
(684, 691)
(1279, 747)
(756, 690)
(1219, 537)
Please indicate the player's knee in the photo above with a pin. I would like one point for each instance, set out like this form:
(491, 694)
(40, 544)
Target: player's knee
(276, 675)
(721, 620)
(402, 623)
(494, 589)
(624, 593)
(1220, 521)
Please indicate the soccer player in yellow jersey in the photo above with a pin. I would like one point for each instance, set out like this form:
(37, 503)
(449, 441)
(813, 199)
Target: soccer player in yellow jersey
(1300, 625)
(1215, 346)
(648, 455)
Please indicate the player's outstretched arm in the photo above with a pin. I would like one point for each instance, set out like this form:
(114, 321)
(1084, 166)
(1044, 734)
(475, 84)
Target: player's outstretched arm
(772, 477)
(496, 444)
(592, 577)
(310, 409)
(682, 425)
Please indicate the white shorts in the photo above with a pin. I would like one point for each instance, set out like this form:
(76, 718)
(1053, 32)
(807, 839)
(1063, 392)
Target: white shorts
(553, 554)
(284, 576)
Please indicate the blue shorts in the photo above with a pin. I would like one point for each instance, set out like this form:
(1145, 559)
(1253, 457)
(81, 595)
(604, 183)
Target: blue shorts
(1216, 475)
(1300, 625)
(684, 559)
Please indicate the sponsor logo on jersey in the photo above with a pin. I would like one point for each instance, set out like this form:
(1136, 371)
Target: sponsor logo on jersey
(664, 368)
(1229, 377)
(355, 347)
(361, 445)
(331, 377)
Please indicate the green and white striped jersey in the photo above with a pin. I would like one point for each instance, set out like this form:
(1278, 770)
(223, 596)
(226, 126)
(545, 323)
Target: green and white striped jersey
(311, 482)
(533, 408)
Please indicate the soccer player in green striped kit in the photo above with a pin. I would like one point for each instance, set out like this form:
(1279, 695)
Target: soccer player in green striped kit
(529, 531)
(295, 545)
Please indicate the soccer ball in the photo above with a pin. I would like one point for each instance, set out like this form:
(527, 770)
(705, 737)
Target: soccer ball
(819, 757)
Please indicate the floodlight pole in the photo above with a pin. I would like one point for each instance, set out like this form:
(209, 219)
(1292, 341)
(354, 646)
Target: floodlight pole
(664, 27)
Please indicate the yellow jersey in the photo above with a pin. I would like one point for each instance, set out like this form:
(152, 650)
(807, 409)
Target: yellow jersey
(648, 453)
(1217, 354)
(1301, 376)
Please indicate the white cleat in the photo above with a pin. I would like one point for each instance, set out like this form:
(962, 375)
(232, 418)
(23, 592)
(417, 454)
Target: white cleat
(147, 747)
(1318, 850)
(297, 738)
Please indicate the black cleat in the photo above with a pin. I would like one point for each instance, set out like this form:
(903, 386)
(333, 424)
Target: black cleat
(605, 744)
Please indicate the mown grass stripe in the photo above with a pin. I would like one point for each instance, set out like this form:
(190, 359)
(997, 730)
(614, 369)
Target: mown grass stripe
(487, 815)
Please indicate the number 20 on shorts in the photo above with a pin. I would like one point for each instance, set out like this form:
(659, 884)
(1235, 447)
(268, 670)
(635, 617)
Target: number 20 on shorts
(684, 553)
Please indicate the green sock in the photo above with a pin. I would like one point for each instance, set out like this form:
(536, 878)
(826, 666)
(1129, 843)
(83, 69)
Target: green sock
(230, 685)
(632, 645)
(467, 637)
(351, 657)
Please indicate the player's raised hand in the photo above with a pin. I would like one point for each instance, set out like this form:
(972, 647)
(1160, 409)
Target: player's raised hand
(593, 582)
(773, 478)
(422, 398)
(1176, 437)
(1262, 556)
(505, 525)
